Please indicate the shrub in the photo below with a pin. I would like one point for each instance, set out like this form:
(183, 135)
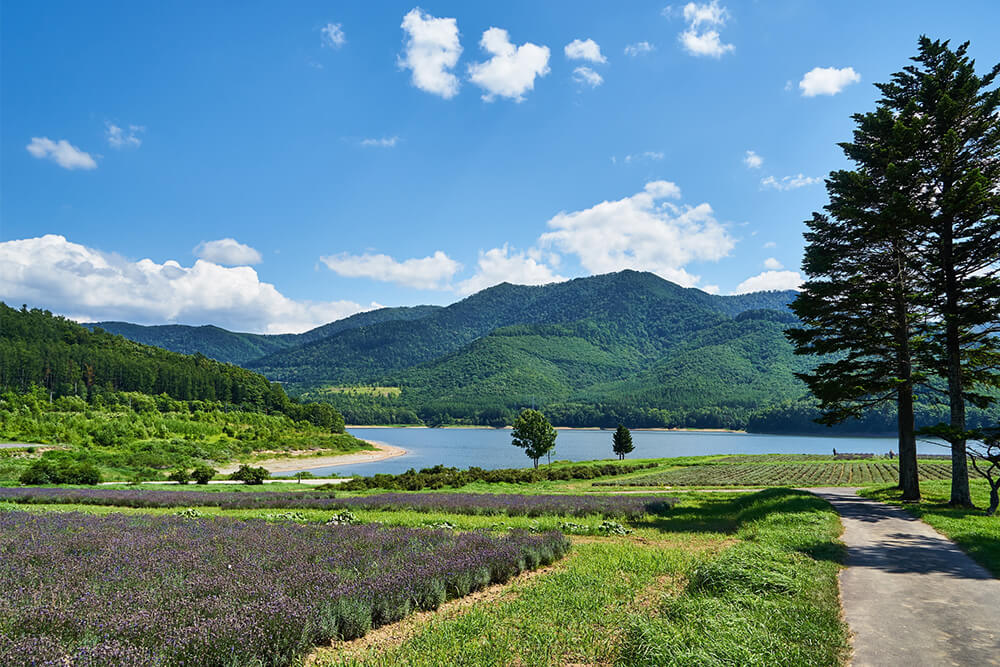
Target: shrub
(250, 475)
(203, 474)
(181, 476)
(55, 471)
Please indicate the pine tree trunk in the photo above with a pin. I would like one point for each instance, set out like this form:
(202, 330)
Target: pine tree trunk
(909, 480)
(960, 494)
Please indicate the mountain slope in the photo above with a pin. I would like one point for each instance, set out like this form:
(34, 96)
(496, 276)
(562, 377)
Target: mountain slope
(649, 308)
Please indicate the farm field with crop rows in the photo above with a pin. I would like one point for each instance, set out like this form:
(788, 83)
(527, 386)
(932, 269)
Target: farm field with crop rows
(455, 503)
(847, 473)
(88, 589)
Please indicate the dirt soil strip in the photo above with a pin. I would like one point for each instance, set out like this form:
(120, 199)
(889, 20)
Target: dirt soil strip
(911, 596)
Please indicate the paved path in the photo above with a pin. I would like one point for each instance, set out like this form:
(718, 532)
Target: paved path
(911, 597)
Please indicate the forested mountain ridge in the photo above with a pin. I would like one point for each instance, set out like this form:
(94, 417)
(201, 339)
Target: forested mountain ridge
(653, 311)
(242, 348)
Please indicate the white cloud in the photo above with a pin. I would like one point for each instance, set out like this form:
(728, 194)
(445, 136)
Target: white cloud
(383, 142)
(789, 182)
(827, 80)
(637, 157)
(512, 70)
(770, 244)
(711, 289)
(432, 50)
(433, 272)
(773, 264)
(227, 251)
(584, 50)
(61, 152)
(641, 232)
(119, 137)
(89, 285)
(585, 75)
(638, 48)
(753, 160)
(333, 35)
(770, 280)
(501, 265)
(702, 36)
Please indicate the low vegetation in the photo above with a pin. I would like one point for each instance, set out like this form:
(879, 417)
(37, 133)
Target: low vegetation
(620, 506)
(143, 590)
(848, 473)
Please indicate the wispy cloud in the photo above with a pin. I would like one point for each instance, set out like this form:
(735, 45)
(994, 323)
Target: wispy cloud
(587, 76)
(752, 160)
(789, 182)
(63, 153)
(639, 48)
(333, 35)
(119, 137)
(382, 142)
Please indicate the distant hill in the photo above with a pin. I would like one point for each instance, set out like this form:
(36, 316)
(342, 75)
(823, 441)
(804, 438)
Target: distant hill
(653, 314)
(243, 348)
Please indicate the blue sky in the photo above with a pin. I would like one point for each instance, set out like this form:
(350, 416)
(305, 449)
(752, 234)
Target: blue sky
(273, 166)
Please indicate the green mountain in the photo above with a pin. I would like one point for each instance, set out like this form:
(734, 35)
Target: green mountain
(243, 348)
(640, 310)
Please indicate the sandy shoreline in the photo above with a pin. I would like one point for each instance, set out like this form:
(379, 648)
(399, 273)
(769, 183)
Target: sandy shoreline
(382, 451)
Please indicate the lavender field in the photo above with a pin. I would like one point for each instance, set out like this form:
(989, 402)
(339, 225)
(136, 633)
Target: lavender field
(625, 507)
(143, 590)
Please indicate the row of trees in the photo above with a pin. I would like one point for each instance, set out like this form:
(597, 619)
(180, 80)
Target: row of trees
(903, 289)
(537, 437)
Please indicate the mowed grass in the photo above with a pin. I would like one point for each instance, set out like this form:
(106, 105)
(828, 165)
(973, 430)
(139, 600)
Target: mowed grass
(833, 473)
(977, 534)
(720, 580)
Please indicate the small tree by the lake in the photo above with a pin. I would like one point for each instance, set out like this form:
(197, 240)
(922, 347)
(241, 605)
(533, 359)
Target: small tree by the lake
(534, 434)
(621, 442)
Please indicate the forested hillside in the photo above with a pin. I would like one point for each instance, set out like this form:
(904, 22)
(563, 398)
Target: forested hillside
(242, 348)
(66, 359)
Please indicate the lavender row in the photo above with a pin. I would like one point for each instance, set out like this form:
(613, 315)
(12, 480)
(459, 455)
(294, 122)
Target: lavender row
(612, 506)
(83, 589)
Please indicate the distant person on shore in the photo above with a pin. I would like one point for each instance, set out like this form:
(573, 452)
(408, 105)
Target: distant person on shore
(891, 454)
(835, 451)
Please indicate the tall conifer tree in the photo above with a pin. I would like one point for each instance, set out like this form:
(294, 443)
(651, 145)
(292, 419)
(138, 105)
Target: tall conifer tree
(955, 116)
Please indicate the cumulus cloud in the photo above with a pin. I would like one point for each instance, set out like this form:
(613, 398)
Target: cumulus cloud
(789, 182)
(584, 49)
(773, 264)
(643, 232)
(638, 48)
(433, 272)
(333, 35)
(770, 280)
(753, 160)
(585, 75)
(89, 285)
(501, 265)
(119, 137)
(702, 35)
(512, 70)
(61, 152)
(382, 142)
(227, 251)
(827, 80)
(431, 51)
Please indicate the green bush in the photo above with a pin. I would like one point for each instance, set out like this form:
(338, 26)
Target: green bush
(250, 475)
(203, 474)
(56, 471)
(181, 476)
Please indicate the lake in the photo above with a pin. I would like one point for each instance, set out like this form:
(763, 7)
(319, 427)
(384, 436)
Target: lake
(491, 448)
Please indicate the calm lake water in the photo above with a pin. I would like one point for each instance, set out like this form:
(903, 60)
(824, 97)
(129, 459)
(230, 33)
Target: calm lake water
(491, 448)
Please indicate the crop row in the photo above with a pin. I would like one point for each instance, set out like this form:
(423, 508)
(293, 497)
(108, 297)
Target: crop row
(84, 589)
(627, 507)
(783, 474)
